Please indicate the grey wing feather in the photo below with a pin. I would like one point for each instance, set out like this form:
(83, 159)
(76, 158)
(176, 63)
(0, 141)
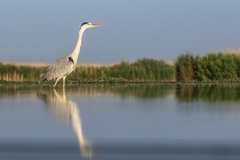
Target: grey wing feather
(60, 68)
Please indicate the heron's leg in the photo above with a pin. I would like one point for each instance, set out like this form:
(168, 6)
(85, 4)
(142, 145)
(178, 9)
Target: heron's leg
(56, 82)
(64, 81)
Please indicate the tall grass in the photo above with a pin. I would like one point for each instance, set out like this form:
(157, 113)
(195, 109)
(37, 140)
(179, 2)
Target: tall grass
(143, 70)
(11, 72)
(186, 67)
(212, 67)
(218, 67)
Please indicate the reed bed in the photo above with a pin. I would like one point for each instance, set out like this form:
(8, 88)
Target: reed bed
(212, 67)
(142, 70)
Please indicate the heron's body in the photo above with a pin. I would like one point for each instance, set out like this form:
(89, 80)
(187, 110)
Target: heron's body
(60, 69)
(65, 65)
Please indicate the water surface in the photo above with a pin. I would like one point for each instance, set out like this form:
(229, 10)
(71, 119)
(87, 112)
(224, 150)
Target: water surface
(84, 118)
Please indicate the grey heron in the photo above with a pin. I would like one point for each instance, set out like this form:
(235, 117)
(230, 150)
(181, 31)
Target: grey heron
(65, 65)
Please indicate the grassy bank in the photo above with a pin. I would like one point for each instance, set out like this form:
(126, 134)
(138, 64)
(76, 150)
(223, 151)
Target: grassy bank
(143, 70)
(212, 67)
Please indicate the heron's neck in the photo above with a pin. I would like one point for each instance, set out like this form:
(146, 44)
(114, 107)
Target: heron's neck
(76, 51)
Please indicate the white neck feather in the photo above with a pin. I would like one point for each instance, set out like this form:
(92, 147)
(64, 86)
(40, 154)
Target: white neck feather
(76, 51)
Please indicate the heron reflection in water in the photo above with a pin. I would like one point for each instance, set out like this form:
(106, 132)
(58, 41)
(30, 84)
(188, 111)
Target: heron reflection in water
(67, 110)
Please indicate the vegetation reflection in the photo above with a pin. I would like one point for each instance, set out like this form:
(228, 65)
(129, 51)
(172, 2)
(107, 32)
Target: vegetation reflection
(208, 92)
(139, 91)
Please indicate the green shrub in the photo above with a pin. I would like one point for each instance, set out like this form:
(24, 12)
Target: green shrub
(218, 67)
(186, 68)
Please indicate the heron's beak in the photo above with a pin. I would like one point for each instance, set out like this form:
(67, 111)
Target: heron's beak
(96, 25)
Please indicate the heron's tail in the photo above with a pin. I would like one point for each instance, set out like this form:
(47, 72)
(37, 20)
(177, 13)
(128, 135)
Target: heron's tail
(40, 79)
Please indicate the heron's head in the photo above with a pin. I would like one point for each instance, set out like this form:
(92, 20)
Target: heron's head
(86, 25)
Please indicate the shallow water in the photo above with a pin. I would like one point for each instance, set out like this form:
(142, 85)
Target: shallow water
(138, 119)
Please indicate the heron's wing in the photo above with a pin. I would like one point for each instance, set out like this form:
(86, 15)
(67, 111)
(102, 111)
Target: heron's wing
(60, 68)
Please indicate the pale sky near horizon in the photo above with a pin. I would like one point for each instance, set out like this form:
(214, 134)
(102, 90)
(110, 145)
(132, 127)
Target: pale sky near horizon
(43, 31)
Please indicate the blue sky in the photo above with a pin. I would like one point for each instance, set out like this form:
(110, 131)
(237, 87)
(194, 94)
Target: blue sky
(43, 31)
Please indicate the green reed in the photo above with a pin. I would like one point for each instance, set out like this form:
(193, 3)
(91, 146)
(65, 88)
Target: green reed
(212, 67)
(143, 70)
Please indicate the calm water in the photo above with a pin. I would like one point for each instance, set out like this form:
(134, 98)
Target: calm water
(92, 121)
